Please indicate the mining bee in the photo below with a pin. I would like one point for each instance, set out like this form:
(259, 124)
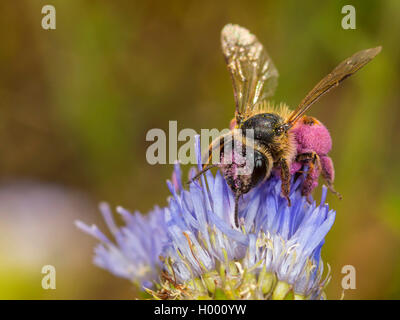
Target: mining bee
(283, 141)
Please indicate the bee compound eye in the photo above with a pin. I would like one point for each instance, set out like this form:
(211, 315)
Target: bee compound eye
(279, 130)
(259, 171)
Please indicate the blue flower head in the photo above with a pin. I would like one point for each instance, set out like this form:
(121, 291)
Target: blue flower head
(274, 253)
(135, 253)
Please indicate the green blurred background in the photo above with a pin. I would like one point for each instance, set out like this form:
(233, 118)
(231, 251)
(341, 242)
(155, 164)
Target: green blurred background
(76, 104)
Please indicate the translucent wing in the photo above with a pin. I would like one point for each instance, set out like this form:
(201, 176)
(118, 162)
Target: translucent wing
(253, 74)
(332, 80)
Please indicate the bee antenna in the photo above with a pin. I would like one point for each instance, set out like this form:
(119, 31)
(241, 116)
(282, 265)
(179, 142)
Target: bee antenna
(198, 175)
(286, 126)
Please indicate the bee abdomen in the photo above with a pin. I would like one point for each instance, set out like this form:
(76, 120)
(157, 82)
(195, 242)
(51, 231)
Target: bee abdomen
(312, 136)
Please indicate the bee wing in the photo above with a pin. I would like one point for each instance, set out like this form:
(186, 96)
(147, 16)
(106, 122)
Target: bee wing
(332, 80)
(253, 73)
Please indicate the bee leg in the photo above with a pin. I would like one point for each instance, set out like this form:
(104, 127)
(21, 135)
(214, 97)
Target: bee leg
(198, 175)
(314, 170)
(285, 178)
(328, 173)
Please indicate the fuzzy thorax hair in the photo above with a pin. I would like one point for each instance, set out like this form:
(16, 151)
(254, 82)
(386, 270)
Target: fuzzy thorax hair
(265, 106)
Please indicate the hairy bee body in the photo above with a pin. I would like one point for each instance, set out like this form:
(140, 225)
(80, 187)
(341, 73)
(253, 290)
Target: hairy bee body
(242, 183)
(283, 142)
(305, 146)
(313, 139)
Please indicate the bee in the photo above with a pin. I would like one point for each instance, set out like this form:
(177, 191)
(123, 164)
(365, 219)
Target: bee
(283, 141)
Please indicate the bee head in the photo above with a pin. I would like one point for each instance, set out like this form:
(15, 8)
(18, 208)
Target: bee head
(266, 126)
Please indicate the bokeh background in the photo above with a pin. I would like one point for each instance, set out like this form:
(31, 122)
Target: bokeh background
(76, 104)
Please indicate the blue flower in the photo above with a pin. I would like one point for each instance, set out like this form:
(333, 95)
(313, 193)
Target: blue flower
(283, 241)
(138, 244)
(275, 253)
